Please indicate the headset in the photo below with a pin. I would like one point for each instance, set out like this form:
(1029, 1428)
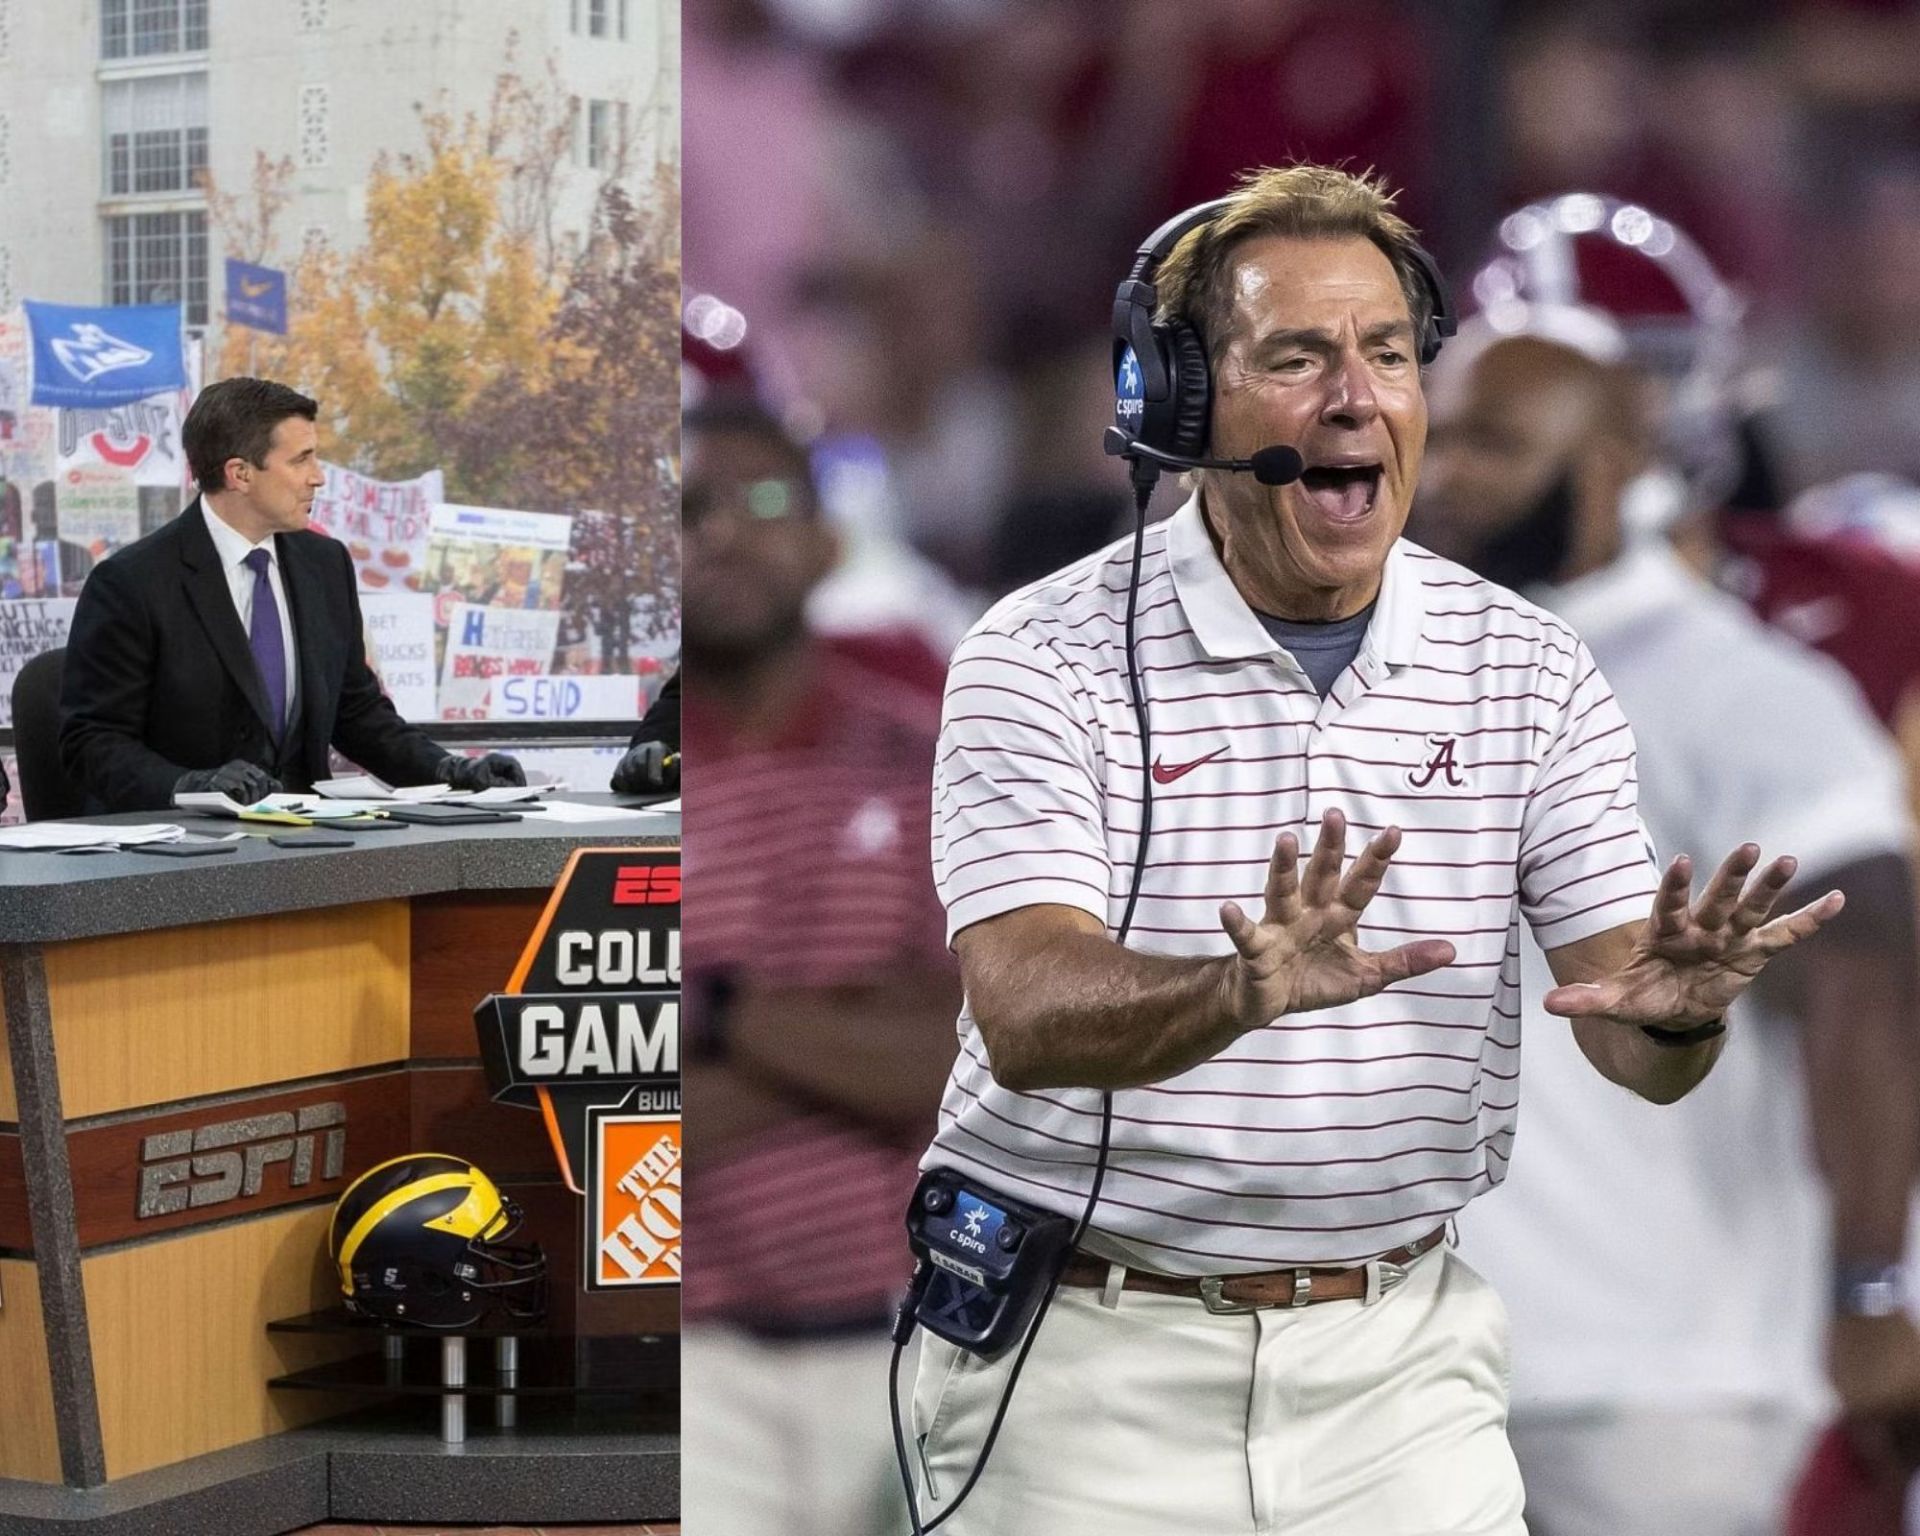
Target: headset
(980, 1294)
(1163, 383)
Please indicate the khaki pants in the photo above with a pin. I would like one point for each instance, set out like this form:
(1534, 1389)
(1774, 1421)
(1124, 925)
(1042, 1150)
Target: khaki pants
(787, 1438)
(1705, 1470)
(1158, 1418)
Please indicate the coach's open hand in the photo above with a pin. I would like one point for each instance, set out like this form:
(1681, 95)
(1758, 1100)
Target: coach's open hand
(1692, 960)
(1302, 954)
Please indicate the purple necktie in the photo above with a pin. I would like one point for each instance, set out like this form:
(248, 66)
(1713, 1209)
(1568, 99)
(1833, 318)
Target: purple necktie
(264, 639)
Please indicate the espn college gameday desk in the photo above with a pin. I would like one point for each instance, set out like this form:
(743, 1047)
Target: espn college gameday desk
(168, 1023)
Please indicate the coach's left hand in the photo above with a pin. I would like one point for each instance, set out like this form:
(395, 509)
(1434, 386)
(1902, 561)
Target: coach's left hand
(1694, 958)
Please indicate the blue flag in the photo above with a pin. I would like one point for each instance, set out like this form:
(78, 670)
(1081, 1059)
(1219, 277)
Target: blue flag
(256, 297)
(104, 356)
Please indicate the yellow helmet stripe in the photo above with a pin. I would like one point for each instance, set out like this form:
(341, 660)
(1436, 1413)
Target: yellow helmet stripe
(405, 1157)
(385, 1206)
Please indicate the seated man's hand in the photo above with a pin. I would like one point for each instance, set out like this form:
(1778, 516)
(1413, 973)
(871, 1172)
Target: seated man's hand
(647, 769)
(494, 771)
(246, 783)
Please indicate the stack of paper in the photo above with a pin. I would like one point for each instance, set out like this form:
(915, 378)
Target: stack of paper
(571, 811)
(365, 787)
(59, 836)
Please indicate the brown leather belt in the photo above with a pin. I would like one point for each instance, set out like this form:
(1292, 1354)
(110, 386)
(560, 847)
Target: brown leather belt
(1267, 1288)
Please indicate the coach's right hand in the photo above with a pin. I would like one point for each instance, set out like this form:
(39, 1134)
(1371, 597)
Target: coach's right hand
(1302, 954)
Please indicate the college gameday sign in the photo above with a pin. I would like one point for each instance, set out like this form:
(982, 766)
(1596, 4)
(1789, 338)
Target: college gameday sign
(587, 1031)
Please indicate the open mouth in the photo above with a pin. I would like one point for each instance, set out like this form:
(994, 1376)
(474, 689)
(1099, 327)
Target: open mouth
(1342, 493)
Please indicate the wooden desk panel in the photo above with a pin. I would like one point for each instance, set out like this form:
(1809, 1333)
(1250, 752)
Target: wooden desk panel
(181, 1352)
(148, 1018)
(29, 1449)
(465, 945)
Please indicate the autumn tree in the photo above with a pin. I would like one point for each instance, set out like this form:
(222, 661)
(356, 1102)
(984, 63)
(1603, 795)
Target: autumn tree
(603, 432)
(538, 372)
(398, 337)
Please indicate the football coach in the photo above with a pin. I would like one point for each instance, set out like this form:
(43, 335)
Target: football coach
(1313, 1061)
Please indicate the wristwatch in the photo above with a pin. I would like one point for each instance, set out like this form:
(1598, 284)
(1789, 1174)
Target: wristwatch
(1869, 1290)
(1698, 1035)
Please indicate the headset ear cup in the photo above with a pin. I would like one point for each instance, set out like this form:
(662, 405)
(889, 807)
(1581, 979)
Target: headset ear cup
(1190, 411)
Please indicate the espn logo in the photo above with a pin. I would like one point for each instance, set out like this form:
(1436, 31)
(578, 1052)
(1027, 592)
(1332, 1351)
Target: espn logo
(646, 885)
(228, 1161)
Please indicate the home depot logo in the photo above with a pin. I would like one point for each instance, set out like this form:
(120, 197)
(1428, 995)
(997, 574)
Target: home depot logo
(636, 1229)
(228, 1160)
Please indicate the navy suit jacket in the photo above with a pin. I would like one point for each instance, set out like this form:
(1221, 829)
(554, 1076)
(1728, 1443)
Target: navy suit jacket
(159, 678)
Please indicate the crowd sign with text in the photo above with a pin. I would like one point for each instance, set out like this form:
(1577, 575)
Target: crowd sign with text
(399, 633)
(139, 441)
(28, 626)
(587, 1031)
(383, 523)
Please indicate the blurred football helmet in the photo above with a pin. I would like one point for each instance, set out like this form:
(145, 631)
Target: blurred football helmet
(1583, 255)
(417, 1239)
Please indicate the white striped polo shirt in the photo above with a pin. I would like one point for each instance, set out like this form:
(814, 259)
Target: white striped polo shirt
(1471, 719)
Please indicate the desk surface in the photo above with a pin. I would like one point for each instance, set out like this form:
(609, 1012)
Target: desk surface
(47, 897)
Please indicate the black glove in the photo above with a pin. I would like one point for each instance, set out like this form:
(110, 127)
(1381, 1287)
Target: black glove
(494, 771)
(244, 782)
(647, 769)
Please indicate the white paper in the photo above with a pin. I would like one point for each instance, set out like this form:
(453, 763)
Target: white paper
(511, 794)
(212, 802)
(573, 811)
(365, 787)
(368, 793)
(56, 835)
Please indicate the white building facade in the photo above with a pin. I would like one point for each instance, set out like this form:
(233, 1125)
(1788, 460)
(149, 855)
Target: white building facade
(109, 109)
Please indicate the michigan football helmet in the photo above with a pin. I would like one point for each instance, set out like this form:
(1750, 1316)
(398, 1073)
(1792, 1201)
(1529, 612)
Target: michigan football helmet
(420, 1239)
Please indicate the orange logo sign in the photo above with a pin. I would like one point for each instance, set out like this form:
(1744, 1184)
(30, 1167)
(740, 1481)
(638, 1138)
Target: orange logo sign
(636, 1200)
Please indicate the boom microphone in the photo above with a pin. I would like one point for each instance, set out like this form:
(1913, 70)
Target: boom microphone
(1275, 465)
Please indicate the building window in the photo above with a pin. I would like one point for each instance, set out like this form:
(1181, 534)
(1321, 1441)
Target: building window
(6, 278)
(316, 144)
(597, 17)
(156, 133)
(573, 17)
(139, 29)
(159, 258)
(599, 135)
(623, 20)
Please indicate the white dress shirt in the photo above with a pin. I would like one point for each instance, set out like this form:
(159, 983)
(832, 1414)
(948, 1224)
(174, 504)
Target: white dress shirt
(234, 548)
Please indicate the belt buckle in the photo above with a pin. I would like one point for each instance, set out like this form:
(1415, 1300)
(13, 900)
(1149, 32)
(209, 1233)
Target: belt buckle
(1381, 1278)
(1216, 1303)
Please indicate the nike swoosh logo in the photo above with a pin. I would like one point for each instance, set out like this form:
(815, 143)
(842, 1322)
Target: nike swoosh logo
(254, 290)
(1162, 774)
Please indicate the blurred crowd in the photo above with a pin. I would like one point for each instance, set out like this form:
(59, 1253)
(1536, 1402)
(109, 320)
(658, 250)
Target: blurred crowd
(903, 226)
(921, 209)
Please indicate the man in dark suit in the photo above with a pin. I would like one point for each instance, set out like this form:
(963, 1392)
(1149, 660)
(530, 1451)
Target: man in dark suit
(223, 651)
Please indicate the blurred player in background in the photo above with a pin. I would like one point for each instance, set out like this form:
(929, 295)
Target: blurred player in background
(1665, 1270)
(820, 1003)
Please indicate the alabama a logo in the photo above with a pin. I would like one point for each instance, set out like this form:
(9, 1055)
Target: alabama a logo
(1440, 761)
